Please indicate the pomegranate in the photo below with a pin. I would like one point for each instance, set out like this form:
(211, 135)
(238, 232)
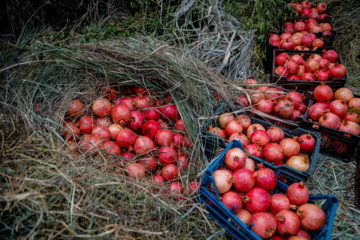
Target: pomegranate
(322, 75)
(296, 39)
(102, 107)
(354, 117)
(250, 165)
(294, 77)
(302, 108)
(281, 59)
(330, 120)
(321, 7)
(265, 178)
(194, 187)
(135, 170)
(164, 137)
(223, 181)
(265, 106)
(254, 150)
(284, 109)
(288, 223)
(323, 63)
(295, 97)
(304, 234)
(354, 103)
(128, 155)
(330, 55)
(70, 130)
(187, 142)
(281, 71)
(90, 145)
(114, 130)
(298, 193)
(143, 145)
(299, 26)
(102, 132)
(102, 122)
(306, 5)
(76, 109)
(273, 153)
(308, 77)
(343, 94)
(242, 101)
(306, 41)
(307, 143)
(252, 128)
(245, 121)
(175, 188)
(231, 199)
(299, 163)
(338, 71)
(159, 180)
(291, 147)
(137, 119)
(179, 125)
(312, 217)
(125, 138)
(244, 216)
(129, 102)
(152, 114)
(183, 161)
(167, 155)
(121, 114)
(350, 127)
(312, 65)
(150, 129)
(317, 43)
(260, 137)
(226, 169)
(257, 199)
(111, 148)
(276, 236)
(141, 102)
(178, 140)
(280, 202)
(317, 110)
(235, 159)
(315, 29)
(243, 180)
(86, 124)
(256, 96)
(305, 13)
(338, 107)
(264, 224)
(109, 93)
(323, 93)
(232, 127)
(170, 112)
(275, 134)
(217, 131)
(139, 90)
(224, 119)
(274, 38)
(298, 59)
(285, 36)
(239, 137)
(296, 114)
(170, 172)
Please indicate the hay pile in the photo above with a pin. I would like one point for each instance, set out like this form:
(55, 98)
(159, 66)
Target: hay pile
(48, 192)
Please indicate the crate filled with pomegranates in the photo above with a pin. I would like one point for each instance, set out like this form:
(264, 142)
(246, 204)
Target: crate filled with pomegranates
(305, 71)
(251, 203)
(307, 9)
(279, 106)
(293, 152)
(335, 114)
(138, 132)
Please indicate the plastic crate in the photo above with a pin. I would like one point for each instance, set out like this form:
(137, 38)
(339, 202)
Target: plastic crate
(357, 179)
(270, 50)
(213, 144)
(334, 83)
(334, 143)
(281, 122)
(228, 220)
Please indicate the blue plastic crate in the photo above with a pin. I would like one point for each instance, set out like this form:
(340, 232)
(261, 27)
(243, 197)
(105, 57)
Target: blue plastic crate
(228, 220)
(213, 143)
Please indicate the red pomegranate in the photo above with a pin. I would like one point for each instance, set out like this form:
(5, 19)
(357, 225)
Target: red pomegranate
(233, 126)
(296, 114)
(307, 143)
(295, 97)
(103, 122)
(273, 153)
(280, 202)
(312, 65)
(330, 120)
(299, 26)
(245, 121)
(343, 94)
(250, 164)
(330, 55)
(264, 224)
(167, 155)
(274, 37)
(102, 132)
(265, 178)
(308, 77)
(321, 7)
(170, 112)
(86, 124)
(109, 93)
(302, 233)
(338, 107)
(322, 75)
(254, 150)
(260, 137)
(288, 223)
(323, 93)
(152, 114)
(306, 5)
(275, 134)
(243, 180)
(224, 119)
(338, 71)
(231, 199)
(135, 170)
(170, 172)
(129, 102)
(350, 127)
(291, 147)
(354, 104)
(164, 137)
(298, 193)
(244, 216)
(183, 161)
(102, 107)
(121, 114)
(306, 41)
(317, 110)
(257, 200)
(149, 163)
(242, 101)
(281, 71)
(70, 130)
(265, 106)
(143, 145)
(125, 138)
(223, 181)
(241, 138)
(252, 128)
(323, 63)
(136, 121)
(76, 109)
(111, 148)
(140, 102)
(284, 109)
(354, 117)
(235, 159)
(281, 59)
(178, 140)
(217, 131)
(312, 217)
(150, 129)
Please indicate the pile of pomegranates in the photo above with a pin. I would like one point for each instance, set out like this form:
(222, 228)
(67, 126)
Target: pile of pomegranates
(304, 9)
(269, 144)
(339, 110)
(274, 215)
(316, 67)
(275, 101)
(134, 129)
